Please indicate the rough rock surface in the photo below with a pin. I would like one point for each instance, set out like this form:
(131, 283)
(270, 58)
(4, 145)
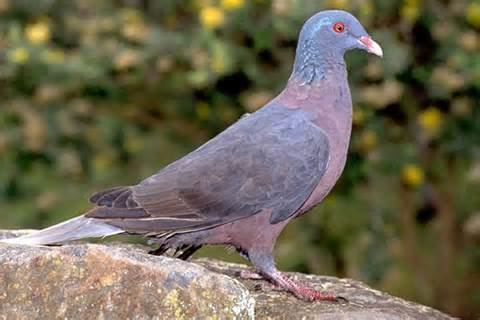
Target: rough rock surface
(93, 281)
(363, 302)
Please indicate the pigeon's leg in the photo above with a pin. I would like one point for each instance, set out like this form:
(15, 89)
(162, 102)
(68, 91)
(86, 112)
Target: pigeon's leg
(262, 259)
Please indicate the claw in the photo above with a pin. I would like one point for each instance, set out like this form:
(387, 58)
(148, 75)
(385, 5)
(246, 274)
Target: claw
(341, 299)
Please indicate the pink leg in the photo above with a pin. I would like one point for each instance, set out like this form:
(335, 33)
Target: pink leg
(263, 261)
(300, 291)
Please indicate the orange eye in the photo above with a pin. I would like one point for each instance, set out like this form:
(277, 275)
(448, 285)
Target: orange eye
(339, 27)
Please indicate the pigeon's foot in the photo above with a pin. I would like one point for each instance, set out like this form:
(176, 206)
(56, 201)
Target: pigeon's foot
(302, 292)
(262, 259)
(285, 283)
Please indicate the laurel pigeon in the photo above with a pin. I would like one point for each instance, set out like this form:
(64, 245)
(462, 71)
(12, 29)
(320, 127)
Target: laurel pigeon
(242, 187)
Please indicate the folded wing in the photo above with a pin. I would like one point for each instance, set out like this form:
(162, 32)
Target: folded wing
(272, 159)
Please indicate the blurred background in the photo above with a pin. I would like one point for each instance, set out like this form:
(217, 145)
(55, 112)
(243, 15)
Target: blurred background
(102, 93)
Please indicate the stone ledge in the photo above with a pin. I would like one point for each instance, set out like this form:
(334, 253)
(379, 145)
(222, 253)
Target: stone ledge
(118, 281)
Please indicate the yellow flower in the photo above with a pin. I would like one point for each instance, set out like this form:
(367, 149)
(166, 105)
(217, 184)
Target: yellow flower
(19, 55)
(230, 5)
(473, 14)
(212, 17)
(412, 175)
(37, 33)
(430, 119)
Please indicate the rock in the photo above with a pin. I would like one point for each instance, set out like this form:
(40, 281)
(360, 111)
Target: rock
(92, 281)
(118, 281)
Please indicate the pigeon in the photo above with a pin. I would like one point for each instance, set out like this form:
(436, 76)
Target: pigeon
(241, 188)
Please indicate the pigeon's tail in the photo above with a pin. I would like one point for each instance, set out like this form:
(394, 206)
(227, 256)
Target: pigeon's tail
(73, 229)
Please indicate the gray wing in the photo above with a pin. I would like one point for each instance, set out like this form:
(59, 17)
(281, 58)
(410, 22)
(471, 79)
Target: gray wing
(272, 159)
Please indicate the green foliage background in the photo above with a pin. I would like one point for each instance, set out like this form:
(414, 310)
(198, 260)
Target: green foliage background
(103, 93)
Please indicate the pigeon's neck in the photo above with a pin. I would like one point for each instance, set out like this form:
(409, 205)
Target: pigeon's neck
(318, 86)
(313, 65)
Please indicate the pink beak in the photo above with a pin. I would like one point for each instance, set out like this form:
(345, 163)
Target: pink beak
(371, 46)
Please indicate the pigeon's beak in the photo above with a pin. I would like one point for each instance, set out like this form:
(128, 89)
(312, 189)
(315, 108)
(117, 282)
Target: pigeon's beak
(371, 46)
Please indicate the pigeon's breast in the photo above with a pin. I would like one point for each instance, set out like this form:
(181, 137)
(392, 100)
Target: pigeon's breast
(335, 120)
(328, 104)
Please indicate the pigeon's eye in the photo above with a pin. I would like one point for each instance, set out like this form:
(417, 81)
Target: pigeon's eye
(339, 27)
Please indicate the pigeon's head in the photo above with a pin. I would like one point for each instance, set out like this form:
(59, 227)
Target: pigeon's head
(333, 32)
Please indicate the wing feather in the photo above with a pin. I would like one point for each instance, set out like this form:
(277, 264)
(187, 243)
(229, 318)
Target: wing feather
(272, 159)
